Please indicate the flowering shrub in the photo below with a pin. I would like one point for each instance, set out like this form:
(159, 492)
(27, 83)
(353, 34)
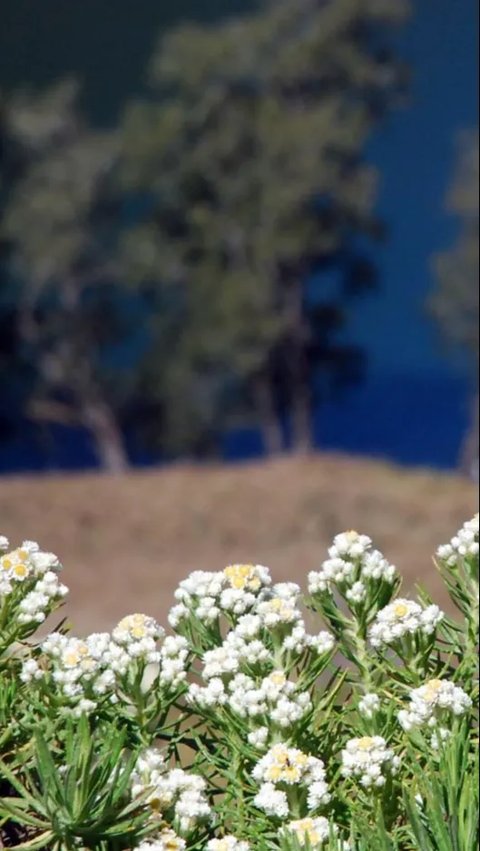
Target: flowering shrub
(244, 729)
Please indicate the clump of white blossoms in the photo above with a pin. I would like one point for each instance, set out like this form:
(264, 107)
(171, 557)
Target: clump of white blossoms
(463, 545)
(367, 758)
(369, 705)
(228, 843)
(138, 634)
(353, 567)
(104, 666)
(285, 768)
(433, 703)
(167, 840)
(175, 794)
(403, 617)
(29, 582)
(205, 595)
(314, 831)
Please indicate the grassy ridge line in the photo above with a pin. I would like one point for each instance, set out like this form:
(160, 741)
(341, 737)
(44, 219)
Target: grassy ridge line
(127, 542)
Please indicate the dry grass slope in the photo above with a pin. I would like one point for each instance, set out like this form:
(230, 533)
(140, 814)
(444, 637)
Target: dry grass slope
(126, 542)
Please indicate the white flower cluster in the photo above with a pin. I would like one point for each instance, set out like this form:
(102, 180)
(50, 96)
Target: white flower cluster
(282, 768)
(85, 670)
(33, 573)
(275, 698)
(205, 595)
(167, 840)
(367, 758)
(369, 705)
(352, 566)
(228, 843)
(463, 545)
(403, 617)
(173, 791)
(267, 696)
(433, 702)
(314, 831)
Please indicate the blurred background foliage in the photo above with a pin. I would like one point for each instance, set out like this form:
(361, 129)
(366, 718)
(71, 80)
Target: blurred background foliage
(168, 278)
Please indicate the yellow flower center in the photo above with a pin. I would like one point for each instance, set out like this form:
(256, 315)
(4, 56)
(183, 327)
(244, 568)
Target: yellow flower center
(432, 688)
(305, 829)
(400, 610)
(20, 569)
(6, 563)
(365, 743)
(242, 576)
(278, 678)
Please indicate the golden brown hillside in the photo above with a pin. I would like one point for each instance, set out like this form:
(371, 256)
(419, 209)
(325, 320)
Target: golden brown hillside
(126, 542)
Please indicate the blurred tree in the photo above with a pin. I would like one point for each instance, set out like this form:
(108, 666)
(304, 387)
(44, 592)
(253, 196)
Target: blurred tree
(249, 169)
(454, 303)
(57, 228)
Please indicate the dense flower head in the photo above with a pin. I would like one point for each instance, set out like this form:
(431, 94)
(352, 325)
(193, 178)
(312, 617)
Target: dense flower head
(366, 758)
(99, 666)
(228, 843)
(314, 831)
(432, 702)
(206, 595)
(179, 792)
(167, 840)
(463, 545)
(403, 617)
(369, 705)
(283, 767)
(351, 566)
(31, 576)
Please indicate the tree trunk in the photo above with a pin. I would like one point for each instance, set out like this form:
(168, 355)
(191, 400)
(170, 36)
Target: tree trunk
(469, 453)
(301, 420)
(270, 426)
(299, 389)
(99, 419)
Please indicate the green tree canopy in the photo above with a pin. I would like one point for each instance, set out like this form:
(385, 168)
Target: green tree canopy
(455, 303)
(250, 160)
(57, 226)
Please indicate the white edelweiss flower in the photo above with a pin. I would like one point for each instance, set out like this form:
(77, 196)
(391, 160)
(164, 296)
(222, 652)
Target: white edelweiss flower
(356, 593)
(463, 545)
(4, 544)
(177, 789)
(207, 610)
(324, 642)
(286, 766)
(432, 701)
(248, 626)
(352, 566)
(315, 831)
(272, 801)
(177, 614)
(369, 705)
(31, 671)
(221, 660)
(367, 758)
(213, 694)
(167, 840)
(403, 617)
(228, 843)
(278, 611)
(199, 584)
(258, 738)
(247, 577)
(375, 566)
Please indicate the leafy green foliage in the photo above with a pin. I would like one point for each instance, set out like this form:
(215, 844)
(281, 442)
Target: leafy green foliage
(242, 731)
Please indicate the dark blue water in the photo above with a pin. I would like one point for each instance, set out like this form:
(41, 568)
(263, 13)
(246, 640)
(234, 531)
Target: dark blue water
(414, 420)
